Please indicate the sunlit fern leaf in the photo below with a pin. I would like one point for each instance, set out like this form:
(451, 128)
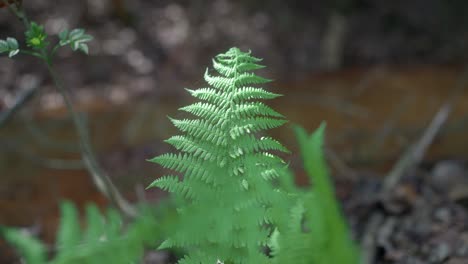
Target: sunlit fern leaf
(219, 82)
(202, 130)
(210, 95)
(249, 78)
(225, 70)
(204, 150)
(248, 66)
(251, 144)
(172, 184)
(253, 109)
(253, 125)
(252, 93)
(206, 111)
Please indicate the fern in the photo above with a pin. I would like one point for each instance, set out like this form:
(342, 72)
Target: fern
(317, 232)
(103, 240)
(228, 170)
(236, 198)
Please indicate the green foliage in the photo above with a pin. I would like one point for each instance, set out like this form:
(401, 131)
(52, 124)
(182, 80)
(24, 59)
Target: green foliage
(38, 42)
(31, 249)
(238, 197)
(76, 39)
(228, 194)
(36, 37)
(317, 231)
(9, 45)
(104, 240)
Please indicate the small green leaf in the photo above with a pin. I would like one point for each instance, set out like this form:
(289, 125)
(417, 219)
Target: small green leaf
(63, 35)
(9, 45)
(76, 34)
(84, 48)
(13, 53)
(76, 39)
(36, 37)
(3, 46)
(86, 38)
(12, 43)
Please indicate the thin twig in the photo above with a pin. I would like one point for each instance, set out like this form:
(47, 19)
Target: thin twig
(339, 164)
(100, 178)
(22, 99)
(417, 151)
(390, 125)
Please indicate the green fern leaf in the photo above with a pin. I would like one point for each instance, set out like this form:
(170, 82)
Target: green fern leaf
(210, 95)
(222, 83)
(95, 227)
(69, 234)
(206, 111)
(228, 170)
(252, 93)
(254, 109)
(327, 238)
(249, 78)
(31, 249)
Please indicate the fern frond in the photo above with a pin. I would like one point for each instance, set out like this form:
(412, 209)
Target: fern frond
(207, 111)
(104, 240)
(327, 239)
(223, 69)
(172, 184)
(252, 93)
(244, 79)
(248, 66)
(190, 166)
(235, 54)
(201, 149)
(253, 125)
(209, 95)
(94, 229)
(69, 234)
(227, 168)
(250, 144)
(202, 130)
(219, 82)
(250, 109)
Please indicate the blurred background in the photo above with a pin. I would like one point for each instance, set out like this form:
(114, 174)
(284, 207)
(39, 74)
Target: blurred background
(376, 71)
